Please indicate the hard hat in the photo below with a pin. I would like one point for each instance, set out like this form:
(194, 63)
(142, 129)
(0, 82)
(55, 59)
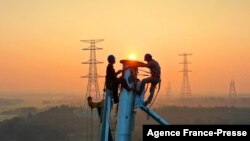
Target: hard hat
(147, 57)
(111, 58)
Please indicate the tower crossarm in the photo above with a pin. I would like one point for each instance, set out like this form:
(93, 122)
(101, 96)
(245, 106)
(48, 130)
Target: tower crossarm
(92, 40)
(88, 76)
(185, 54)
(185, 62)
(92, 62)
(185, 71)
(91, 48)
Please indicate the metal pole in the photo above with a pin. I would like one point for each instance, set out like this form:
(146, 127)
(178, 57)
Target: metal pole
(126, 106)
(105, 120)
(154, 115)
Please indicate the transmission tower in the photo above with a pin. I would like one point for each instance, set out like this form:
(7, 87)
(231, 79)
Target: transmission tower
(169, 89)
(185, 89)
(93, 87)
(232, 90)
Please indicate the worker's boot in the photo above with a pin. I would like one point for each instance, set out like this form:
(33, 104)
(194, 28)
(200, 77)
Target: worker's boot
(147, 102)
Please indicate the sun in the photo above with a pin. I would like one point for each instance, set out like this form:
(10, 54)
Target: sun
(132, 56)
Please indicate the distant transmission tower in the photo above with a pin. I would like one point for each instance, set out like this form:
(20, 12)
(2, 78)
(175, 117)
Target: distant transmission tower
(185, 89)
(169, 89)
(232, 90)
(93, 87)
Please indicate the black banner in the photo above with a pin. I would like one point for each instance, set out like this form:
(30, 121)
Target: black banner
(161, 132)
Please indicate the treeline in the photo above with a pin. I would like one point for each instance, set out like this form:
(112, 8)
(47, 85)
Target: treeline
(7, 102)
(55, 124)
(21, 112)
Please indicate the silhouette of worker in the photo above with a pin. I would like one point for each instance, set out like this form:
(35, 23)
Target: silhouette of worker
(154, 79)
(112, 81)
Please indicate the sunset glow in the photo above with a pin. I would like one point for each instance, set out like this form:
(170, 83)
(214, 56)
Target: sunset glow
(41, 51)
(132, 56)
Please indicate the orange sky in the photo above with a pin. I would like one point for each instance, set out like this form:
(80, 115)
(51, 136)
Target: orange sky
(40, 44)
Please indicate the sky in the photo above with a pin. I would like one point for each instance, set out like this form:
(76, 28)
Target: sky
(41, 52)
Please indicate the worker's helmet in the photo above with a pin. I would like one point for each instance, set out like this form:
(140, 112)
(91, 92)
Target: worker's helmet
(147, 57)
(111, 58)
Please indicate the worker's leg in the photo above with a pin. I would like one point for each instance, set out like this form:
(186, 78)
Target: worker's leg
(115, 94)
(152, 91)
(154, 82)
(115, 91)
(143, 83)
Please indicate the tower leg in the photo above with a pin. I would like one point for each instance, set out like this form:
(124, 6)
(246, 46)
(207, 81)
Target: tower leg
(105, 133)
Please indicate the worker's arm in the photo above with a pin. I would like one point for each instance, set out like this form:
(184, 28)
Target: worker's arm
(118, 72)
(144, 65)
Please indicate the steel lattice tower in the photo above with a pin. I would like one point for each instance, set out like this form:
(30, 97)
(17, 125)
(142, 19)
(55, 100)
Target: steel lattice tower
(232, 90)
(93, 87)
(169, 89)
(185, 89)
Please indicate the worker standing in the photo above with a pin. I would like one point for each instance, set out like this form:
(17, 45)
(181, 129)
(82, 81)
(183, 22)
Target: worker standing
(112, 81)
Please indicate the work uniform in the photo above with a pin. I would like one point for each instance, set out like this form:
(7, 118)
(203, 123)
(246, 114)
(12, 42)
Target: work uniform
(154, 79)
(112, 82)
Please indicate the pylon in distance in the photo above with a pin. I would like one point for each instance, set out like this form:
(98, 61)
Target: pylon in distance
(185, 89)
(92, 87)
(169, 89)
(232, 90)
